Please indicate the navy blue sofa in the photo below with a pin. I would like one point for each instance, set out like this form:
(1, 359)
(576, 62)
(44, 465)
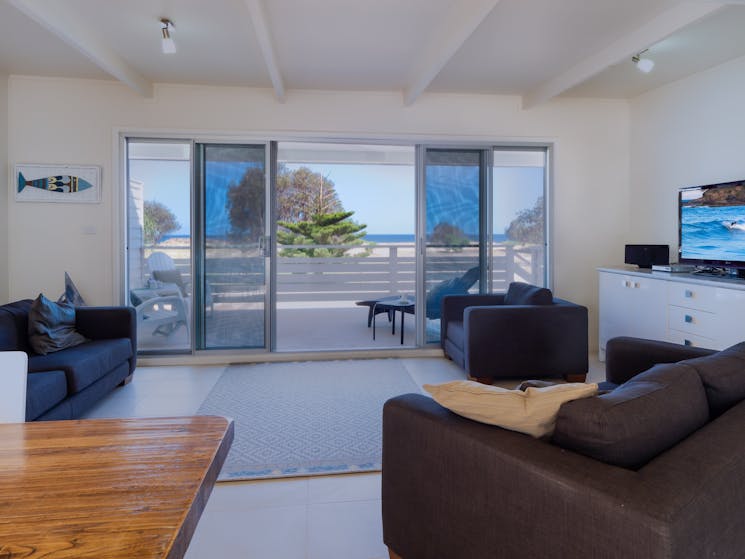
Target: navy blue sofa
(65, 384)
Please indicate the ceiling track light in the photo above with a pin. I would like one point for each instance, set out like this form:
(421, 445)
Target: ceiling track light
(167, 44)
(643, 64)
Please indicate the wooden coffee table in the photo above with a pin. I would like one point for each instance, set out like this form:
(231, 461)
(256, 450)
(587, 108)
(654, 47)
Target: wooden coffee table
(107, 488)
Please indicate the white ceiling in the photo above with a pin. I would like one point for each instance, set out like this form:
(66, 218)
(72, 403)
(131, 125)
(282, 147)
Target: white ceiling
(537, 49)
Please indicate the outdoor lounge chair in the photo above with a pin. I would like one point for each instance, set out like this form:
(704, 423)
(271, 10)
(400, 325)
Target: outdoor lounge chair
(163, 313)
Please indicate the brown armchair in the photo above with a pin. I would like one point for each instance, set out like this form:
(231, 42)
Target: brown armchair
(525, 331)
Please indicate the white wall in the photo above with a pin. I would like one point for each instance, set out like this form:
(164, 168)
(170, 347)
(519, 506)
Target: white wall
(4, 191)
(687, 133)
(72, 121)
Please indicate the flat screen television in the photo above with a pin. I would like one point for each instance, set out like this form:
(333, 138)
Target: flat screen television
(712, 225)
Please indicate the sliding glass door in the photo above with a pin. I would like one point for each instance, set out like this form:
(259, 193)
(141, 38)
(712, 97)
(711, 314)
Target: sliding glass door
(518, 215)
(354, 223)
(485, 222)
(346, 225)
(159, 248)
(233, 242)
(454, 186)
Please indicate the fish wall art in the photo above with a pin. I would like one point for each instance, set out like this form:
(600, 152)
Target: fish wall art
(58, 183)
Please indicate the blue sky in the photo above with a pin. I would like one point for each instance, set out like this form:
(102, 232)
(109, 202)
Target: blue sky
(382, 196)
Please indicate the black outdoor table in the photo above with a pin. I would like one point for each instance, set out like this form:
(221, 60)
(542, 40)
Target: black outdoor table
(391, 305)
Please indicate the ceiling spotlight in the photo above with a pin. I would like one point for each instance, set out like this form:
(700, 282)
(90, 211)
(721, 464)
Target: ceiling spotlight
(167, 44)
(643, 64)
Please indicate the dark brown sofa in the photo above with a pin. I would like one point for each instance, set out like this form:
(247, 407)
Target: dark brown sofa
(457, 489)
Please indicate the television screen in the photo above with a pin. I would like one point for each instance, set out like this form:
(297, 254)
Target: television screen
(712, 224)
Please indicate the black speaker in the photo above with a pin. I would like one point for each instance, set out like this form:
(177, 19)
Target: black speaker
(645, 256)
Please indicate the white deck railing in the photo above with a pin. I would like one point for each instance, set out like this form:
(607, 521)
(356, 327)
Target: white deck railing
(388, 269)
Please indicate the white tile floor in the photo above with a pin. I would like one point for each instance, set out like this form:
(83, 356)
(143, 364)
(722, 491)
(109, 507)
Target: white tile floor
(320, 517)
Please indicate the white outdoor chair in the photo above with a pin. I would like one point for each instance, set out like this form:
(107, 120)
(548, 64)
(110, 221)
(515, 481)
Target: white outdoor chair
(13, 372)
(163, 269)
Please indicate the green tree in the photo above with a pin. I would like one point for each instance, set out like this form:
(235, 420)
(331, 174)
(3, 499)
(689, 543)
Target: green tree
(302, 194)
(449, 235)
(321, 229)
(527, 227)
(158, 220)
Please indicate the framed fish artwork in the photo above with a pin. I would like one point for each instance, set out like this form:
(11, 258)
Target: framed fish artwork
(79, 184)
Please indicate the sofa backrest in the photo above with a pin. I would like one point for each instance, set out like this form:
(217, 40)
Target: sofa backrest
(637, 421)
(723, 376)
(519, 293)
(14, 326)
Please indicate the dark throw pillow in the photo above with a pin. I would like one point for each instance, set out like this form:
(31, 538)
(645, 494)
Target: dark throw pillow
(519, 293)
(638, 420)
(51, 326)
(71, 294)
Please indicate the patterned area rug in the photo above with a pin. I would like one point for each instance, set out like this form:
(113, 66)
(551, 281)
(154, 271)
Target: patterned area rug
(309, 418)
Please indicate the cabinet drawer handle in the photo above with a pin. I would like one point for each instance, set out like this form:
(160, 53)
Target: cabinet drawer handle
(688, 318)
(688, 293)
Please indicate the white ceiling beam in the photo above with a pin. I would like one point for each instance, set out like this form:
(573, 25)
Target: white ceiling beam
(264, 37)
(58, 19)
(457, 25)
(644, 37)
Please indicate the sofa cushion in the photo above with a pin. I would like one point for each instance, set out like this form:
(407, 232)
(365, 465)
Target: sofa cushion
(532, 411)
(723, 376)
(51, 326)
(86, 363)
(44, 390)
(519, 293)
(638, 420)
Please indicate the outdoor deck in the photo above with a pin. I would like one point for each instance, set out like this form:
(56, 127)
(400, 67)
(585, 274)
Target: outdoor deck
(316, 297)
(309, 327)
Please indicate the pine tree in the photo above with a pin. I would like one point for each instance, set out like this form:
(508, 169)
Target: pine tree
(321, 229)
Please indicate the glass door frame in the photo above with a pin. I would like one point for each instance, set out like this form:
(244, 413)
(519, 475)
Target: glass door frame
(547, 150)
(486, 193)
(122, 136)
(198, 204)
(486, 154)
(124, 140)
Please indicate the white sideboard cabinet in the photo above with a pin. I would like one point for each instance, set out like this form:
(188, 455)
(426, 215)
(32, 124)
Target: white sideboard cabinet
(681, 308)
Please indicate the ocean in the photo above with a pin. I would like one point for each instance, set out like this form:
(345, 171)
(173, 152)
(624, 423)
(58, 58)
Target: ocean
(379, 238)
(708, 232)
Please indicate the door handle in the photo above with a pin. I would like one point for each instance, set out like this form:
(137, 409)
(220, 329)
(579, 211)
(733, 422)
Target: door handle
(265, 245)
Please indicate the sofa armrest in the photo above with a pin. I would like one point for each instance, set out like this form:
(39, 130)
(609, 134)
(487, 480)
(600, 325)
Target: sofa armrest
(460, 489)
(453, 307)
(626, 357)
(515, 340)
(102, 323)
